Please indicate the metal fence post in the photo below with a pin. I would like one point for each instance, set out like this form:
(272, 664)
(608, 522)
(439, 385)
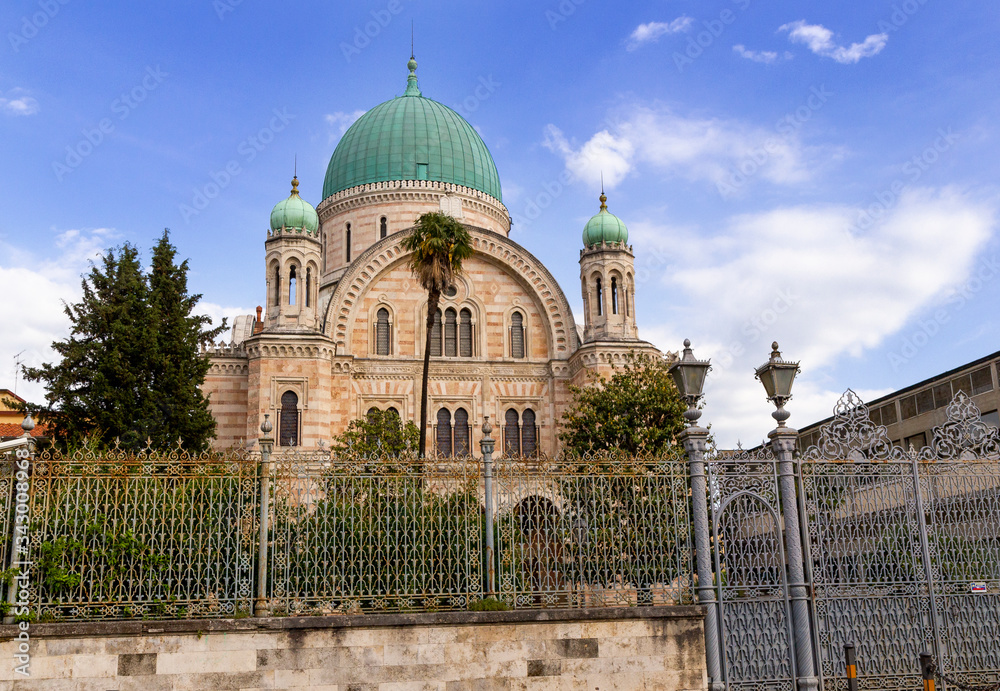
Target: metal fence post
(927, 670)
(486, 446)
(261, 607)
(20, 473)
(783, 440)
(695, 441)
(851, 667)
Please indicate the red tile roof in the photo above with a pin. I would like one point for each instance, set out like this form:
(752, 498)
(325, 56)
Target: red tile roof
(13, 429)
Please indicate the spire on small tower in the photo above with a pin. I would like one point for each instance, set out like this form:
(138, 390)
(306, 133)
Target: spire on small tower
(604, 199)
(411, 81)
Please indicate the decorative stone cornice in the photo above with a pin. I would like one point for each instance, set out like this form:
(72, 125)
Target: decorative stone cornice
(411, 190)
(228, 368)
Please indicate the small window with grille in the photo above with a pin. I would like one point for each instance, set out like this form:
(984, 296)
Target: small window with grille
(443, 433)
(511, 433)
(383, 227)
(517, 335)
(436, 335)
(382, 332)
(465, 333)
(462, 438)
(450, 333)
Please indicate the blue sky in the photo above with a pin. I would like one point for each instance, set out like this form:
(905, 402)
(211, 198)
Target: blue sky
(824, 174)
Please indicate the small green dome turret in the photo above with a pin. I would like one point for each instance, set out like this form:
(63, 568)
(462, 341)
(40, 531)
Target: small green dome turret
(294, 213)
(604, 227)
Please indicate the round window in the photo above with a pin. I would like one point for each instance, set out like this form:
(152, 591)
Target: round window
(451, 291)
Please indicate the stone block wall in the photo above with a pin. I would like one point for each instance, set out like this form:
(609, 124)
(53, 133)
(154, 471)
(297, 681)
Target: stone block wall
(595, 649)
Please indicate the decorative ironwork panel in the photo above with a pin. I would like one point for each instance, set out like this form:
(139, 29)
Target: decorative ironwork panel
(750, 576)
(962, 502)
(374, 535)
(868, 574)
(8, 492)
(604, 530)
(905, 547)
(143, 535)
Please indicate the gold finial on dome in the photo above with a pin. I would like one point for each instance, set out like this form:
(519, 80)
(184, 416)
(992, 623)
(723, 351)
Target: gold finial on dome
(604, 199)
(295, 186)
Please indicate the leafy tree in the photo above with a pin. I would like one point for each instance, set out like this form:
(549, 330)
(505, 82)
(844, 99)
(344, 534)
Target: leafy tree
(637, 410)
(130, 368)
(439, 245)
(380, 432)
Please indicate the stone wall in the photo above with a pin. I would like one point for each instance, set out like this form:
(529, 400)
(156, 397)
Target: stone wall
(596, 649)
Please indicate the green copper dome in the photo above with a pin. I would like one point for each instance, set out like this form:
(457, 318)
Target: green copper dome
(294, 213)
(411, 138)
(604, 227)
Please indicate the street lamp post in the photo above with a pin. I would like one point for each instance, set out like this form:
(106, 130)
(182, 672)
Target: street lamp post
(689, 376)
(777, 375)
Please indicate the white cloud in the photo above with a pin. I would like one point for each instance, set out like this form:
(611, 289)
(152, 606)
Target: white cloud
(708, 149)
(18, 102)
(801, 276)
(767, 57)
(819, 40)
(35, 289)
(340, 121)
(651, 32)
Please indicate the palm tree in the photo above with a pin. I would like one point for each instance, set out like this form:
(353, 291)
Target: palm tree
(439, 245)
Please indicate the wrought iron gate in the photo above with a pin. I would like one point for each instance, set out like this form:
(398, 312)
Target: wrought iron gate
(901, 552)
(904, 548)
(749, 566)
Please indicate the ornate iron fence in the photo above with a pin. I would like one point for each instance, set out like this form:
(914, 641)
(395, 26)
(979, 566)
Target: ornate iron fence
(604, 530)
(373, 535)
(144, 535)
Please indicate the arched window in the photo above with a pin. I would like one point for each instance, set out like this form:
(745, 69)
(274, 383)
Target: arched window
(614, 295)
(450, 333)
(436, 335)
(276, 297)
(347, 242)
(529, 433)
(625, 292)
(462, 439)
(382, 333)
(600, 298)
(309, 286)
(517, 335)
(511, 433)
(465, 333)
(288, 420)
(383, 227)
(291, 286)
(392, 409)
(443, 434)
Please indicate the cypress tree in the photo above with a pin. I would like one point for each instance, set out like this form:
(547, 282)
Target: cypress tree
(178, 369)
(130, 368)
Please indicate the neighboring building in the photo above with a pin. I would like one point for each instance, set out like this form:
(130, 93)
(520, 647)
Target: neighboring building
(11, 417)
(911, 414)
(343, 328)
